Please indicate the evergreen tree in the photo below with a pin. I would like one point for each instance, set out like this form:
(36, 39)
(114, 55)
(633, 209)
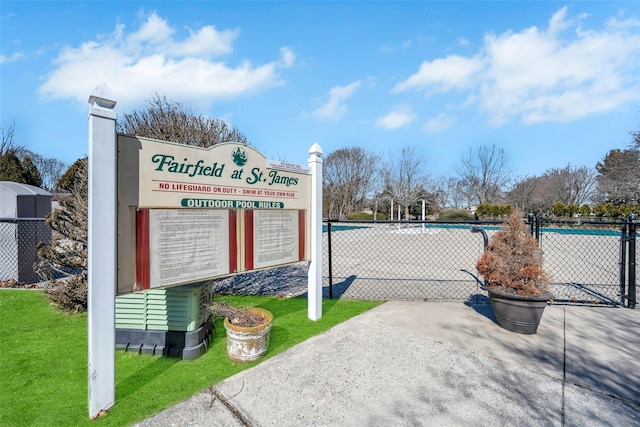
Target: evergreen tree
(619, 176)
(30, 173)
(67, 181)
(11, 168)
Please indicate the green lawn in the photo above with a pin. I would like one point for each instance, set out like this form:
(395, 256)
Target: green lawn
(43, 361)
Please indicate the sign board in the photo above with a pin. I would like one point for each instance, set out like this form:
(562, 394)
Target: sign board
(187, 214)
(159, 213)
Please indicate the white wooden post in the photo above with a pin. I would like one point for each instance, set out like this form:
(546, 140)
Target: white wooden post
(315, 267)
(102, 262)
(423, 212)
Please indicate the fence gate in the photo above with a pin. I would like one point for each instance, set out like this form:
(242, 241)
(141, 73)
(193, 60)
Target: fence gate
(591, 262)
(629, 257)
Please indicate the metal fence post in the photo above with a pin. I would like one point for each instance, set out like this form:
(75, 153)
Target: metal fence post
(330, 259)
(622, 264)
(632, 261)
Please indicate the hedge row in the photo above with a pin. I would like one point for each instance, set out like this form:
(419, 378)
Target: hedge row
(608, 210)
(559, 209)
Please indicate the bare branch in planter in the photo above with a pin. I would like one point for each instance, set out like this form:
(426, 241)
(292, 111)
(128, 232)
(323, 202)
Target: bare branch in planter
(237, 316)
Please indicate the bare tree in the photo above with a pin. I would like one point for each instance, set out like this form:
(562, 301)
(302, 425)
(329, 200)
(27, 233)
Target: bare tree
(8, 142)
(466, 196)
(484, 173)
(570, 185)
(49, 169)
(440, 191)
(449, 192)
(522, 193)
(349, 177)
(404, 178)
(167, 120)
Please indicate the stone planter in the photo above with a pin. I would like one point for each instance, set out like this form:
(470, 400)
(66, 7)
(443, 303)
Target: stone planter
(518, 313)
(246, 344)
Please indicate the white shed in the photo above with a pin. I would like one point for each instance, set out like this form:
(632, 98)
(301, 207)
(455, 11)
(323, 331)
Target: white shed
(23, 201)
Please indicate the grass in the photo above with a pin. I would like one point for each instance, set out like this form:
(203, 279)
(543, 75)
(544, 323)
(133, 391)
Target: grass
(43, 360)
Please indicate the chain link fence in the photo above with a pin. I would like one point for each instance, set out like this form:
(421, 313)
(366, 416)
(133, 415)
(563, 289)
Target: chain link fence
(402, 260)
(19, 238)
(435, 261)
(387, 260)
(585, 260)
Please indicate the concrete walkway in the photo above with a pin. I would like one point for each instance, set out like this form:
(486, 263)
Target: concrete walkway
(438, 364)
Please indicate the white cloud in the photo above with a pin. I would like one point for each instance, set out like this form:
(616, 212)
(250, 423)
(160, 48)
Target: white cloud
(389, 48)
(155, 31)
(14, 57)
(438, 124)
(153, 59)
(561, 73)
(288, 58)
(442, 75)
(462, 41)
(629, 23)
(207, 41)
(400, 116)
(558, 21)
(335, 108)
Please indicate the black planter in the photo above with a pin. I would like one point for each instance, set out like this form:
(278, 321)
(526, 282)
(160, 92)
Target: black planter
(518, 313)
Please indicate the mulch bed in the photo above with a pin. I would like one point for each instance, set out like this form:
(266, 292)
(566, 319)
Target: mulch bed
(12, 283)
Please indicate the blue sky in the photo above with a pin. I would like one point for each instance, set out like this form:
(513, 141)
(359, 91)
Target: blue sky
(550, 82)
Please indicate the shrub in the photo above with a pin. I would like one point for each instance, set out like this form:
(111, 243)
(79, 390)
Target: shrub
(599, 210)
(572, 209)
(487, 210)
(559, 209)
(585, 210)
(69, 294)
(512, 262)
(455, 214)
(363, 216)
(66, 254)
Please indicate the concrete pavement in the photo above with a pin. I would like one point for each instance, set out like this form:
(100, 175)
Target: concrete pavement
(438, 364)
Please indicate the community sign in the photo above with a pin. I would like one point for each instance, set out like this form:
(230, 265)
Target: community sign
(187, 214)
